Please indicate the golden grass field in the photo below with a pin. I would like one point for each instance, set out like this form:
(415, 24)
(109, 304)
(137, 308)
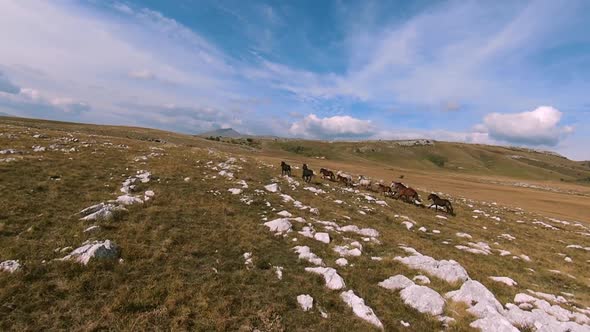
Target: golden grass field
(181, 261)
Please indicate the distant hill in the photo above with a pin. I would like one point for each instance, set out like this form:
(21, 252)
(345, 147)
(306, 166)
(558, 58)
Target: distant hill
(224, 132)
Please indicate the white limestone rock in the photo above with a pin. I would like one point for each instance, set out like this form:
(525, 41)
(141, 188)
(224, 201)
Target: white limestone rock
(360, 309)
(94, 250)
(10, 266)
(128, 200)
(505, 280)
(322, 237)
(345, 251)
(285, 214)
(273, 187)
(305, 301)
(305, 253)
(331, 277)
(423, 280)
(448, 270)
(281, 225)
(396, 282)
(423, 299)
(342, 262)
(101, 212)
(235, 191)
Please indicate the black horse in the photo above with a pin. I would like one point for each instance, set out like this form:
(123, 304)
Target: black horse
(437, 201)
(285, 168)
(307, 173)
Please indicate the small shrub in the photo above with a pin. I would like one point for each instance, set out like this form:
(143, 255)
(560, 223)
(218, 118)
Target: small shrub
(437, 160)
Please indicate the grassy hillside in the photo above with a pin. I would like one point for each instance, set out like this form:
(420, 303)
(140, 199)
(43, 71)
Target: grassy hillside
(444, 156)
(181, 263)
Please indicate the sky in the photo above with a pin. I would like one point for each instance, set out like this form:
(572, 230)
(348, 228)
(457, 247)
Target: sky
(492, 72)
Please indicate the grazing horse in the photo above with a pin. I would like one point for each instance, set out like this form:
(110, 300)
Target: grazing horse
(307, 173)
(437, 201)
(344, 178)
(285, 168)
(407, 194)
(326, 173)
(364, 182)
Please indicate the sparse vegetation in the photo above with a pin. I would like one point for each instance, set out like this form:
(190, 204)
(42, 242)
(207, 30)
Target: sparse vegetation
(438, 160)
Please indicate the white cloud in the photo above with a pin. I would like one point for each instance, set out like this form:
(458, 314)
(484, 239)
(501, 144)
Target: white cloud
(336, 126)
(537, 127)
(142, 74)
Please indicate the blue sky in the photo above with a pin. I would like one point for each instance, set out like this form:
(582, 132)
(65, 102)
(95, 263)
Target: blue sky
(497, 72)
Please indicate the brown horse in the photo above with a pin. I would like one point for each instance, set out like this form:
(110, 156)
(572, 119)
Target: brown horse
(385, 190)
(407, 194)
(307, 173)
(326, 173)
(437, 201)
(285, 168)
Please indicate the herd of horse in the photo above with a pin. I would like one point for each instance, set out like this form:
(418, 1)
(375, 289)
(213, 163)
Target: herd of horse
(396, 190)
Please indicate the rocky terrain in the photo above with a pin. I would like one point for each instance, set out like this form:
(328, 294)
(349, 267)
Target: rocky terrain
(109, 230)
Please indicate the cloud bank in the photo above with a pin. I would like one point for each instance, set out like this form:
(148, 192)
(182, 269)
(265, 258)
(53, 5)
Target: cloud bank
(346, 126)
(538, 127)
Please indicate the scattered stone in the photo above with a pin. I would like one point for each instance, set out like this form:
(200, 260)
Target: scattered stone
(281, 225)
(331, 277)
(94, 250)
(505, 280)
(305, 301)
(423, 299)
(345, 251)
(423, 280)
(101, 212)
(10, 266)
(396, 282)
(448, 270)
(235, 191)
(322, 237)
(91, 228)
(273, 187)
(248, 259)
(306, 254)
(482, 304)
(279, 272)
(128, 200)
(360, 308)
(285, 214)
(342, 262)
(464, 235)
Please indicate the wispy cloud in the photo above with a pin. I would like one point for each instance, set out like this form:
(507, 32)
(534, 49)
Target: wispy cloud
(451, 70)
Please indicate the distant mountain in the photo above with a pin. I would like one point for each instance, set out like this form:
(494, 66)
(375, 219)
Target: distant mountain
(224, 132)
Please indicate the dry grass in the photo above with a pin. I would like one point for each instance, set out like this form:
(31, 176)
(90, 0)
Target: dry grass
(173, 246)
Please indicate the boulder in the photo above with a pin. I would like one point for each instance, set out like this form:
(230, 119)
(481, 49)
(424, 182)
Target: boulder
(423, 299)
(94, 250)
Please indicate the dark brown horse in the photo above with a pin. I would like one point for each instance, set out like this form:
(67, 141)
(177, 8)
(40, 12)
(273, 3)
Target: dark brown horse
(285, 168)
(437, 201)
(407, 194)
(326, 173)
(307, 173)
